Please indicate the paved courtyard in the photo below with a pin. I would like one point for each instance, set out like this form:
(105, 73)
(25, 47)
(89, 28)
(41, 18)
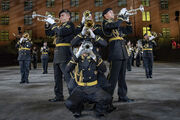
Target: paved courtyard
(155, 99)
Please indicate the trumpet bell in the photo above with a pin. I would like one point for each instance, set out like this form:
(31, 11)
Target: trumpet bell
(141, 8)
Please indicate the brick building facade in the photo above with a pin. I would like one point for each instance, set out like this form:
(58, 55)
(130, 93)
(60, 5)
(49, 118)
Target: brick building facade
(159, 14)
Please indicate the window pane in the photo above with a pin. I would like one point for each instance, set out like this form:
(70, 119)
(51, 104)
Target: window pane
(5, 5)
(74, 16)
(50, 3)
(164, 4)
(28, 19)
(148, 16)
(122, 2)
(5, 20)
(146, 30)
(74, 3)
(98, 2)
(28, 5)
(145, 2)
(98, 17)
(4, 35)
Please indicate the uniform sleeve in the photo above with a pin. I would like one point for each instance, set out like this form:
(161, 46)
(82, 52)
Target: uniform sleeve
(99, 41)
(65, 30)
(79, 28)
(113, 25)
(48, 30)
(101, 66)
(128, 29)
(71, 65)
(77, 40)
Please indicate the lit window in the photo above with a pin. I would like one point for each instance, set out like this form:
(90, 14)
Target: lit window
(74, 16)
(164, 18)
(98, 2)
(98, 17)
(122, 2)
(146, 16)
(164, 4)
(28, 5)
(146, 30)
(145, 2)
(4, 35)
(50, 3)
(5, 5)
(166, 32)
(74, 3)
(28, 19)
(29, 31)
(5, 20)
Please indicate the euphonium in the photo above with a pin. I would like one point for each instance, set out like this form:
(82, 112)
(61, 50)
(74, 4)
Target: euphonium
(89, 23)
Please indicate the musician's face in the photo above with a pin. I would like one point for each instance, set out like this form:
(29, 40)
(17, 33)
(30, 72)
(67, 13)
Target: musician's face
(65, 17)
(45, 44)
(109, 15)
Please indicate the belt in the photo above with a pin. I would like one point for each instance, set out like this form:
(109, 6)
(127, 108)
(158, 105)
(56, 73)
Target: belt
(24, 48)
(87, 83)
(63, 44)
(147, 48)
(115, 38)
(44, 52)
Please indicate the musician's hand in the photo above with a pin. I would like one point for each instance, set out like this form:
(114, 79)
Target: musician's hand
(50, 20)
(92, 33)
(84, 30)
(80, 50)
(122, 12)
(83, 20)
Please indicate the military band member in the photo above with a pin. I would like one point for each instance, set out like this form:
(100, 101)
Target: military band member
(85, 66)
(117, 51)
(24, 57)
(148, 43)
(34, 57)
(62, 54)
(138, 55)
(130, 56)
(45, 57)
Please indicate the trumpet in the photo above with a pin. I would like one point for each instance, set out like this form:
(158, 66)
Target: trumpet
(133, 11)
(34, 15)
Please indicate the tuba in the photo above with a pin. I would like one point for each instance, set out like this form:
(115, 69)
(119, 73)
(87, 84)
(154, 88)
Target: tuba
(34, 15)
(87, 46)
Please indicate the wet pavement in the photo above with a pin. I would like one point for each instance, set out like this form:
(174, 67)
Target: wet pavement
(155, 99)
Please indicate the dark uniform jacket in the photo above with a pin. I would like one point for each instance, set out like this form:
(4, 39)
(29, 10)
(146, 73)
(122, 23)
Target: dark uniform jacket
(86, 70)
(114, 33)
(64, 34)
(24, 50)
(44, 52)
(148, 47)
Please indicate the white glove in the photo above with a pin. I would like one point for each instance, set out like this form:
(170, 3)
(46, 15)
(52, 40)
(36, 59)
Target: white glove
(151, 37)
(127, 19)
(84, 30)
(50, 20)
(83, 20)
(22, 39)
(92, 33)
(44, 47)
(123, 11)
(92, 55)
(79, 52)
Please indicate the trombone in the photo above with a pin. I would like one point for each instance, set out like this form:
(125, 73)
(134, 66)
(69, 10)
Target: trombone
(34, 15)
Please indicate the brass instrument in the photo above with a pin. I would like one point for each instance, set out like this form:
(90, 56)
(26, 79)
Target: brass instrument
(25, 35)
(89, 23)
(134, 11)
(57, 20)
(87, 46)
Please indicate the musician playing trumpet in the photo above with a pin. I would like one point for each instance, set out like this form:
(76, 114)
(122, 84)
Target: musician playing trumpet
(62, 53)
(117, 50)
(147, 46)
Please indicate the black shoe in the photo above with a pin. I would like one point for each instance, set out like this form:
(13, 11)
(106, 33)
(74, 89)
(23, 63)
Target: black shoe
(77, 114)
(150, 76)
(43, 73)
(55, 100)
(22, 82)
(125, 100)
(99, 115)
(27, 82)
